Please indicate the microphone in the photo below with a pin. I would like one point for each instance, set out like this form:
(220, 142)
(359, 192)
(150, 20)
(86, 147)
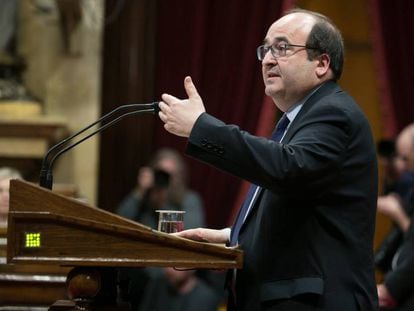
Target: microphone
(46, 176)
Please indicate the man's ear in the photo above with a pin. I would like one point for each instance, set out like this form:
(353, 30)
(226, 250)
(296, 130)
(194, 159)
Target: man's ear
(323, 65)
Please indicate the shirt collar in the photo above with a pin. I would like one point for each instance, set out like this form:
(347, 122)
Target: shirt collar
(294, 110)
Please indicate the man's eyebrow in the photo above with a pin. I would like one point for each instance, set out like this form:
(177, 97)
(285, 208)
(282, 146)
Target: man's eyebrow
(276, 39)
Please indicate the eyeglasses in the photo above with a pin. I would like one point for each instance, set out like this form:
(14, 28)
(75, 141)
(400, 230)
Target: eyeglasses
(278, 50)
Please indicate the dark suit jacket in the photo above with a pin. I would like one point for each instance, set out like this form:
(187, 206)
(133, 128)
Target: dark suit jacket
(312, 229)
(400, 280)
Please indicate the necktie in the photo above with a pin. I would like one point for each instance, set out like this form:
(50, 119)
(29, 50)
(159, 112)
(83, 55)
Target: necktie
(280, 128)
(276, 136)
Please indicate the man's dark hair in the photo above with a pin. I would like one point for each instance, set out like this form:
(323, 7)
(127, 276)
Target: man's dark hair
(325, 37)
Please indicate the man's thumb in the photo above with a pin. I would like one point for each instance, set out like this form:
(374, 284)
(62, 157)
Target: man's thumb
(190, 88)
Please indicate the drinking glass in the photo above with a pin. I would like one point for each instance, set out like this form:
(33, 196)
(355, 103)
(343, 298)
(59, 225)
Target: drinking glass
(170, 221)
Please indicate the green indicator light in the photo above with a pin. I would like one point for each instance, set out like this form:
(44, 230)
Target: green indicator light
(32, 240)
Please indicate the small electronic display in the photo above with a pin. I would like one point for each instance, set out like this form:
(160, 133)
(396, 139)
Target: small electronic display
(32, 239)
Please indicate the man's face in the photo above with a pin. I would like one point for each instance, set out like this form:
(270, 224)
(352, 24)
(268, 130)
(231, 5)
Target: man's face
(288, 78)
(405, 152)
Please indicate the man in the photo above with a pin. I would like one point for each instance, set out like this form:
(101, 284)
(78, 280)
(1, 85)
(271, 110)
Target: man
(307, 230)
(397, 291)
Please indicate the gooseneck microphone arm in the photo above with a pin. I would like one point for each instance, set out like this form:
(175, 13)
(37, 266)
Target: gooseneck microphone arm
(93, 133)
(46, 176)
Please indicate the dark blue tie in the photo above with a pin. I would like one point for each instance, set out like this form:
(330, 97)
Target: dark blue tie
(280, 128)
(276, 136)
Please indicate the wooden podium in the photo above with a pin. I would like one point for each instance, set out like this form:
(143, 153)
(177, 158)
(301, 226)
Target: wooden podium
(47, 228)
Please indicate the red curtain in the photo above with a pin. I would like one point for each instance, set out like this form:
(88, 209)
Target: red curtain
(215, 42)
(127, 77)
(393, 33)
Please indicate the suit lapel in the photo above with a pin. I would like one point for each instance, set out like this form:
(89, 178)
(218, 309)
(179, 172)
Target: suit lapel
(326, 88)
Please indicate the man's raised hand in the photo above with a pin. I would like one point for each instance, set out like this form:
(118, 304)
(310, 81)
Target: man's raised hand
(179, 115)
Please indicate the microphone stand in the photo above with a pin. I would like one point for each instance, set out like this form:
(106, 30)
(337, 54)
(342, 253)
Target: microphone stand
(46, 176)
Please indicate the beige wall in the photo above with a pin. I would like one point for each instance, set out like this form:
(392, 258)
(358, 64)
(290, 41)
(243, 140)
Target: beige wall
(67, 84)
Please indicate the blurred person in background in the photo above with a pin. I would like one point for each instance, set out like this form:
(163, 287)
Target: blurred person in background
(179, 196)
(179, 290)
(163, 185)
(396, 292)
(398, 183)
